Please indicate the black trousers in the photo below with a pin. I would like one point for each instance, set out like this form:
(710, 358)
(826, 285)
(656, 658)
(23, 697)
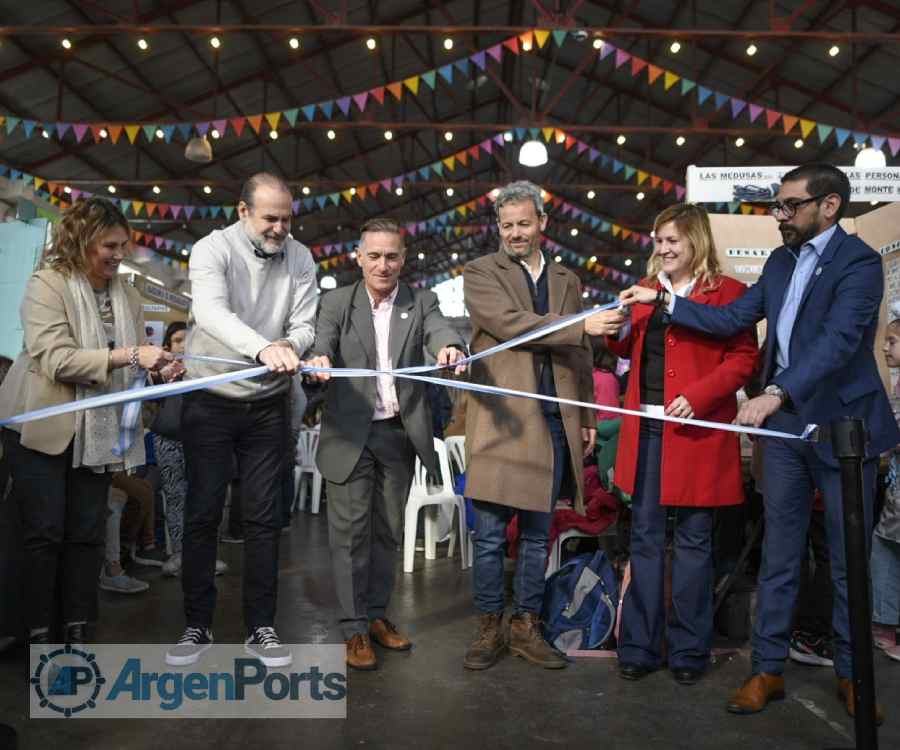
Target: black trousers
(217, 430)
(63, 512)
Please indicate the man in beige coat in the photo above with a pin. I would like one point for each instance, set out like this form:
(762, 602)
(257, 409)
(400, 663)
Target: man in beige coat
(523, 454)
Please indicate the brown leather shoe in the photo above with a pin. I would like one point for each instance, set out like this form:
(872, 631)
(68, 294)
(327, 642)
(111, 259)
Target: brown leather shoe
(758, 691)
(527, 641)
(489, 644)
(385, 634)
(847, 695)
(360, 654)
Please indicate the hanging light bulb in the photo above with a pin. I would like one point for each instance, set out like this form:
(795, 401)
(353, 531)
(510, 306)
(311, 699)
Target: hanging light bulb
(533, 154)
(870, 158)
(449, 192)
(448, 44)
(371, 43)
(142, 44)
(215, 43)
(66, 44)
(752, 50)
(294, 42)
(448, 135)
(621, 140)
(739, 142)
(388, 135)
(591, 195)
(207, 189)
(675, 47)
(160, 134)
(331, 135)
(305, 190)
(112, 189)
(156, 190)
(216, 134)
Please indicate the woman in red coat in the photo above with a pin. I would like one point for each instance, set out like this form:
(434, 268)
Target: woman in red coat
(666, 465)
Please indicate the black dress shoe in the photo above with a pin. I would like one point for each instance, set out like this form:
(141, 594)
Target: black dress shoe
(628, 671)
(686, 675)
(76, 633)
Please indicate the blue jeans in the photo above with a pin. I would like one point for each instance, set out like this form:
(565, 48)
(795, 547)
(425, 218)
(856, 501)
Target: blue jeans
(792, 472)
(534, 531)
(690, 628)
(885, 581)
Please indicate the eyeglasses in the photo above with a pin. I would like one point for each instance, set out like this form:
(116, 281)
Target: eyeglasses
(788, 209)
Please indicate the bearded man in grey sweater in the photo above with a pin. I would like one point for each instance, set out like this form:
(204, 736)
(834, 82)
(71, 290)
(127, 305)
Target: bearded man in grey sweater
(254, 299)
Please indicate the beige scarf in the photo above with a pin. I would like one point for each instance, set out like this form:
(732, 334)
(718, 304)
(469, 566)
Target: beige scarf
(97, 430)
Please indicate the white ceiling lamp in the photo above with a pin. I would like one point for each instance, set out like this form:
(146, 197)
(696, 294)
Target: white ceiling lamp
(533, 154)
(328, 282)
(871, 158)
(198, 149)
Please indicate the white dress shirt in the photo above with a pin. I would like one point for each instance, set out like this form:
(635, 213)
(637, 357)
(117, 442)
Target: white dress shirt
(386, 404)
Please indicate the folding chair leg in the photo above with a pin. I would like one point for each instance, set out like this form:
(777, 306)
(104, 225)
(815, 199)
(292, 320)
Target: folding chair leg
(316, 493)
(409, 537)
(430, 535)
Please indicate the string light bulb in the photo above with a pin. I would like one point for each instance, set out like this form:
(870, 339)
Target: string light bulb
(679, 141)
(273, 134)
(448, 44)
(111, 188)
(739, 142)
(66, 44)
(449, 192)
(621, 140)
(598, 44)
(104, 133)
(448, 135)
(752, 50)
(207, 189)
(675, 47)
(398, 191)
(160, 134)
(331, 135)
(215, 43)
(156, 190)
(142, 44)
(371, 43)
(798, 143)
(574, 231)
(526, 45)
(454, 256)
(388, 135)
(640, 196)
(216, 134)
(294, 42)
(305, 190)
(834, 51)
(421, 256)
(627, 261)
(591, 195)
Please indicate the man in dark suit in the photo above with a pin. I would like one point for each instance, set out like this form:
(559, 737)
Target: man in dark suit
(372, 428)
(820, 294)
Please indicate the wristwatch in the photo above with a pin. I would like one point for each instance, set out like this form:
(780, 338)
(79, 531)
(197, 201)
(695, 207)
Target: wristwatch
(775, 390)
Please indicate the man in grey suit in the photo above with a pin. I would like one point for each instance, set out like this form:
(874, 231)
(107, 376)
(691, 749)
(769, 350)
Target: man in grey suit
(372, 428)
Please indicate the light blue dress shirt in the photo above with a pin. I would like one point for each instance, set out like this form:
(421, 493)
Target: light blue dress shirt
(810, 253)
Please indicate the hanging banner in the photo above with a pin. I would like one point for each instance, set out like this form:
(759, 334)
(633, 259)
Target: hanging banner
(760, 184)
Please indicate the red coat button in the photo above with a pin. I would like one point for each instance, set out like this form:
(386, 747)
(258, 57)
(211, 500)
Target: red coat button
(671, 341)
(671, 373)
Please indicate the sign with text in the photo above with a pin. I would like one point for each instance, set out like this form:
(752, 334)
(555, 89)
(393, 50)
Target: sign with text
(760, 184)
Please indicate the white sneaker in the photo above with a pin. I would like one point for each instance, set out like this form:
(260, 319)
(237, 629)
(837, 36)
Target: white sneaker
(265, 645)
(122, 584)
(190, 647)
(172, 566)
(221, 567)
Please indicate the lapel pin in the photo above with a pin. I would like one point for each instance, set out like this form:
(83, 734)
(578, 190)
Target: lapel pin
(819, 270)
(404, 316)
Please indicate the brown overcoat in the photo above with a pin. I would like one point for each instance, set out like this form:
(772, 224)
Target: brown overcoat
(509, 455)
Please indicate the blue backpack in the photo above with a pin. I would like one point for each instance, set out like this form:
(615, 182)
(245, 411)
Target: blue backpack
(580, 601)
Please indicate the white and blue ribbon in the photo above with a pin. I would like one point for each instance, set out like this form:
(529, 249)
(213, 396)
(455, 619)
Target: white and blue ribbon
(139, 392)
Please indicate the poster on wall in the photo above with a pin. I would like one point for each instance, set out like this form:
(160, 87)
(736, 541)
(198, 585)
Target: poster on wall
(760, 184)
(154, 330)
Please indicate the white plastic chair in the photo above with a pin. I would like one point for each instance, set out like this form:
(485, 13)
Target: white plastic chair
(456, 449)
(554, 559)
(422, 495)
(306, 472)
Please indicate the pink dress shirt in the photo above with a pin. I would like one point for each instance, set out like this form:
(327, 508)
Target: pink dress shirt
(386, 404)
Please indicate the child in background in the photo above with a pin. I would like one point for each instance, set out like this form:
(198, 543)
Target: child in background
(886, 539)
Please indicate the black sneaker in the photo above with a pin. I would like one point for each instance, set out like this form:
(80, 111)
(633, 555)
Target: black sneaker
(190, 647)
(814, 650)
(265, 645)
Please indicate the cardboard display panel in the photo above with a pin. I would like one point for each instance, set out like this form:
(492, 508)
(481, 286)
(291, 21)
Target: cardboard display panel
(161, 307)
(880, 228)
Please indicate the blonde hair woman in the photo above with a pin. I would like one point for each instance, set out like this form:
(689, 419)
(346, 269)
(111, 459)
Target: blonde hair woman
(677, 372)
(82, 331)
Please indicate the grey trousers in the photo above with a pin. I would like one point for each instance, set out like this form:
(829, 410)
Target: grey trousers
(365, 519)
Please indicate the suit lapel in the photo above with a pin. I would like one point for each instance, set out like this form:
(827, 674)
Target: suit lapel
(827, 256)
(401, 322)
(516, 276)
(361, 319)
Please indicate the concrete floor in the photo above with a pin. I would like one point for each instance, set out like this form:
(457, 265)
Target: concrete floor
(424, 698)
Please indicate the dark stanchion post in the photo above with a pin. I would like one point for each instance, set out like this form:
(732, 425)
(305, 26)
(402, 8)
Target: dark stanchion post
(848, 441)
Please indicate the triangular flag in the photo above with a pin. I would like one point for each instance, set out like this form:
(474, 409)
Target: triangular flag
(28, 126)
(79, 129)
(894, 145)
(136, 207)
(115, 131)
(478, 59)
(131, 132)
(11, 123)
(541, 36)
(841, 135)
(309, 112)
(168, 132)
(642, 177)
(512, 44)
(622, 57)
(360, 100)
(450, 162)
(378, 94)
(446, 72)
(737, 106)
(327, 108)
(653, 73)
(396, 89)
(686, 85)
(348, 196)
(606, 49)
(429, 78)
(806, 127)
(496, 51)
(679, 191)
(721, 99)
(462, 65)
(655, 179)
(629, 171)
(824, 131)
(237, 124)
(255, 122)
(637, 65)
(860, 138)
(473, 151)
(878, 141)
(703, 94)
(772, 117)
(670, 79)
(272, 118)
(548, 134)
(344, 105)
(526, 40)
(755, 111)
(289, 114)
(202, 128)
(788, 121)
(559, 36)
(185, 129)
(412, 83)
(462, 157)
(149, 132)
